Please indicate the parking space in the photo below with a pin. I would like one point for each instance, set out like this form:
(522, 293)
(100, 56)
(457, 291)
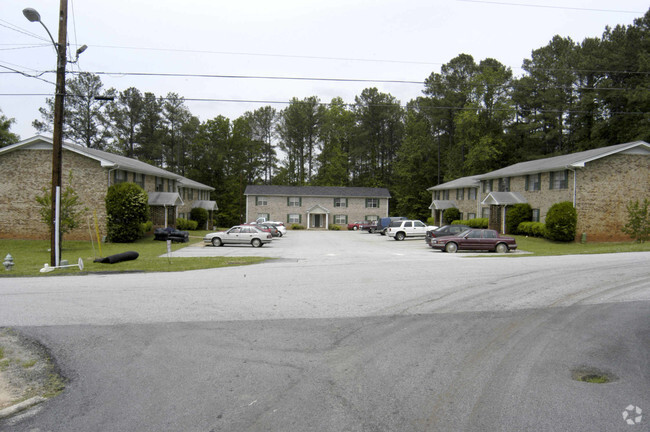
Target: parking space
(347, 246)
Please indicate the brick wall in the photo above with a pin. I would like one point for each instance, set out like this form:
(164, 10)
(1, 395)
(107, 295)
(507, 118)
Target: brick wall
(605, 186)
(23, 175)
(278, 209)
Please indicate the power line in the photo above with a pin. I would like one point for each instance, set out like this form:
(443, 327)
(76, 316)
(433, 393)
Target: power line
(284, 102)
(551, 6)
(20, 30)
(38, 77)
(347, 80)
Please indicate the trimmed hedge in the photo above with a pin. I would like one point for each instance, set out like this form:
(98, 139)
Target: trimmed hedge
(186, 225)
(533, 229)
(297, 227)
(561, 222)
(473, 223)
(333, 227)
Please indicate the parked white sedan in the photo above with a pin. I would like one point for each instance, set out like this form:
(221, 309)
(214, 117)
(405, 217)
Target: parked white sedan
(239, 234)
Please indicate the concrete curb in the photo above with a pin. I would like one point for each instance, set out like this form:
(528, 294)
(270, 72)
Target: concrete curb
(9, 411)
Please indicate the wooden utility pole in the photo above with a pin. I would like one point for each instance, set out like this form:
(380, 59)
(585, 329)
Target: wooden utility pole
(57, 138)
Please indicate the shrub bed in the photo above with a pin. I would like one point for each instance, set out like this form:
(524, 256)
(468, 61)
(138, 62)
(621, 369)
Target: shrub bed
(473, 223)
(532, 229)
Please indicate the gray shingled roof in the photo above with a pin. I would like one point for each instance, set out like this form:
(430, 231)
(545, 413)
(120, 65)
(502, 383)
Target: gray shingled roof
(574, 160)
(317, 191)
(463, 182)
(111, 160)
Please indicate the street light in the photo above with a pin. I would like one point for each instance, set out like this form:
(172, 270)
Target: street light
(57, 136)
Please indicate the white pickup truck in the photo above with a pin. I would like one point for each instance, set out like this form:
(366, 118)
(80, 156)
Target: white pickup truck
(399, 230)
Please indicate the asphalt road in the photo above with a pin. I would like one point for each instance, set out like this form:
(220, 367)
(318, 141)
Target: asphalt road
(344, 332)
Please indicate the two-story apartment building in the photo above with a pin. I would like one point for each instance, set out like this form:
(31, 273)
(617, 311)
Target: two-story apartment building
(26, 169)
(599, 182)
(315, 206)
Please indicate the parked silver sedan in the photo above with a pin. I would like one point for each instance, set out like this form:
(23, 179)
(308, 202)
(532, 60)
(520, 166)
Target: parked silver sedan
(239, 234)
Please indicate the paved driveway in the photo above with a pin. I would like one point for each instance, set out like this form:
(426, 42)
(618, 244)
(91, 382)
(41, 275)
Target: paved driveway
(351, 246)
(345, 332)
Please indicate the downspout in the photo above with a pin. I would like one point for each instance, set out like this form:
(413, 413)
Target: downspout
(575, 184)
(109, 175)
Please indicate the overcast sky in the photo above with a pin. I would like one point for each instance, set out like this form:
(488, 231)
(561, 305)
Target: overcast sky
(341, 39)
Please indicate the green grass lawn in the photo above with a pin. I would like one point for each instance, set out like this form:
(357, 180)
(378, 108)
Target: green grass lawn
(542, 247)
(30, 256)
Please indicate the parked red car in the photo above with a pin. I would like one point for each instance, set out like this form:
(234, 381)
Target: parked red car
(358, 225)
(475, 239)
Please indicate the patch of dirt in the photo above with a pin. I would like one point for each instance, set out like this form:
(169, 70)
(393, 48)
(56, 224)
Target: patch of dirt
(26, 369)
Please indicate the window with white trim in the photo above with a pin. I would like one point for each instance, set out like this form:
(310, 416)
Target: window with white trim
(372, 202)
(535, 215)
(294, 218)
(340, 202)
(341, 219)
(533, 182)
(294, 201)
(559, 180)
(261, 201)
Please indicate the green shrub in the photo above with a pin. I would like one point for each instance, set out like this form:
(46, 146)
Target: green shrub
(126, 209)
(146, 227)
(200, 215)
(473, 223)
(186, 225)
(431, 221)
(449, 215)
(297, 227)
(333, 227)
(533, 229)
(561, 222)
(638, 220)
(517, 214)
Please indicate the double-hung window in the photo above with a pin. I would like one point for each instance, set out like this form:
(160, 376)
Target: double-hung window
(294, 201)
(535, 215)
(119, 176)
(372, 202)
(534, 182)
(487, 186)
(471, 193)
(559, 180)
(340, 219)
(460, 194)
(340, 202)
(261, 201)
(504, 184)
(294, 218)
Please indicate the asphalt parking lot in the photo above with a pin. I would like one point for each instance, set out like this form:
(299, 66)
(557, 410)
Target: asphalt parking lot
(330, 245)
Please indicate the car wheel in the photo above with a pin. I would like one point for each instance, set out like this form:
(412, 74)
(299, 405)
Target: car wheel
(451, 247)
(256, 242)
(355, 227)
(400, 236)
(280, 234)
(370, 231)
(502, 248)
(216, 241)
